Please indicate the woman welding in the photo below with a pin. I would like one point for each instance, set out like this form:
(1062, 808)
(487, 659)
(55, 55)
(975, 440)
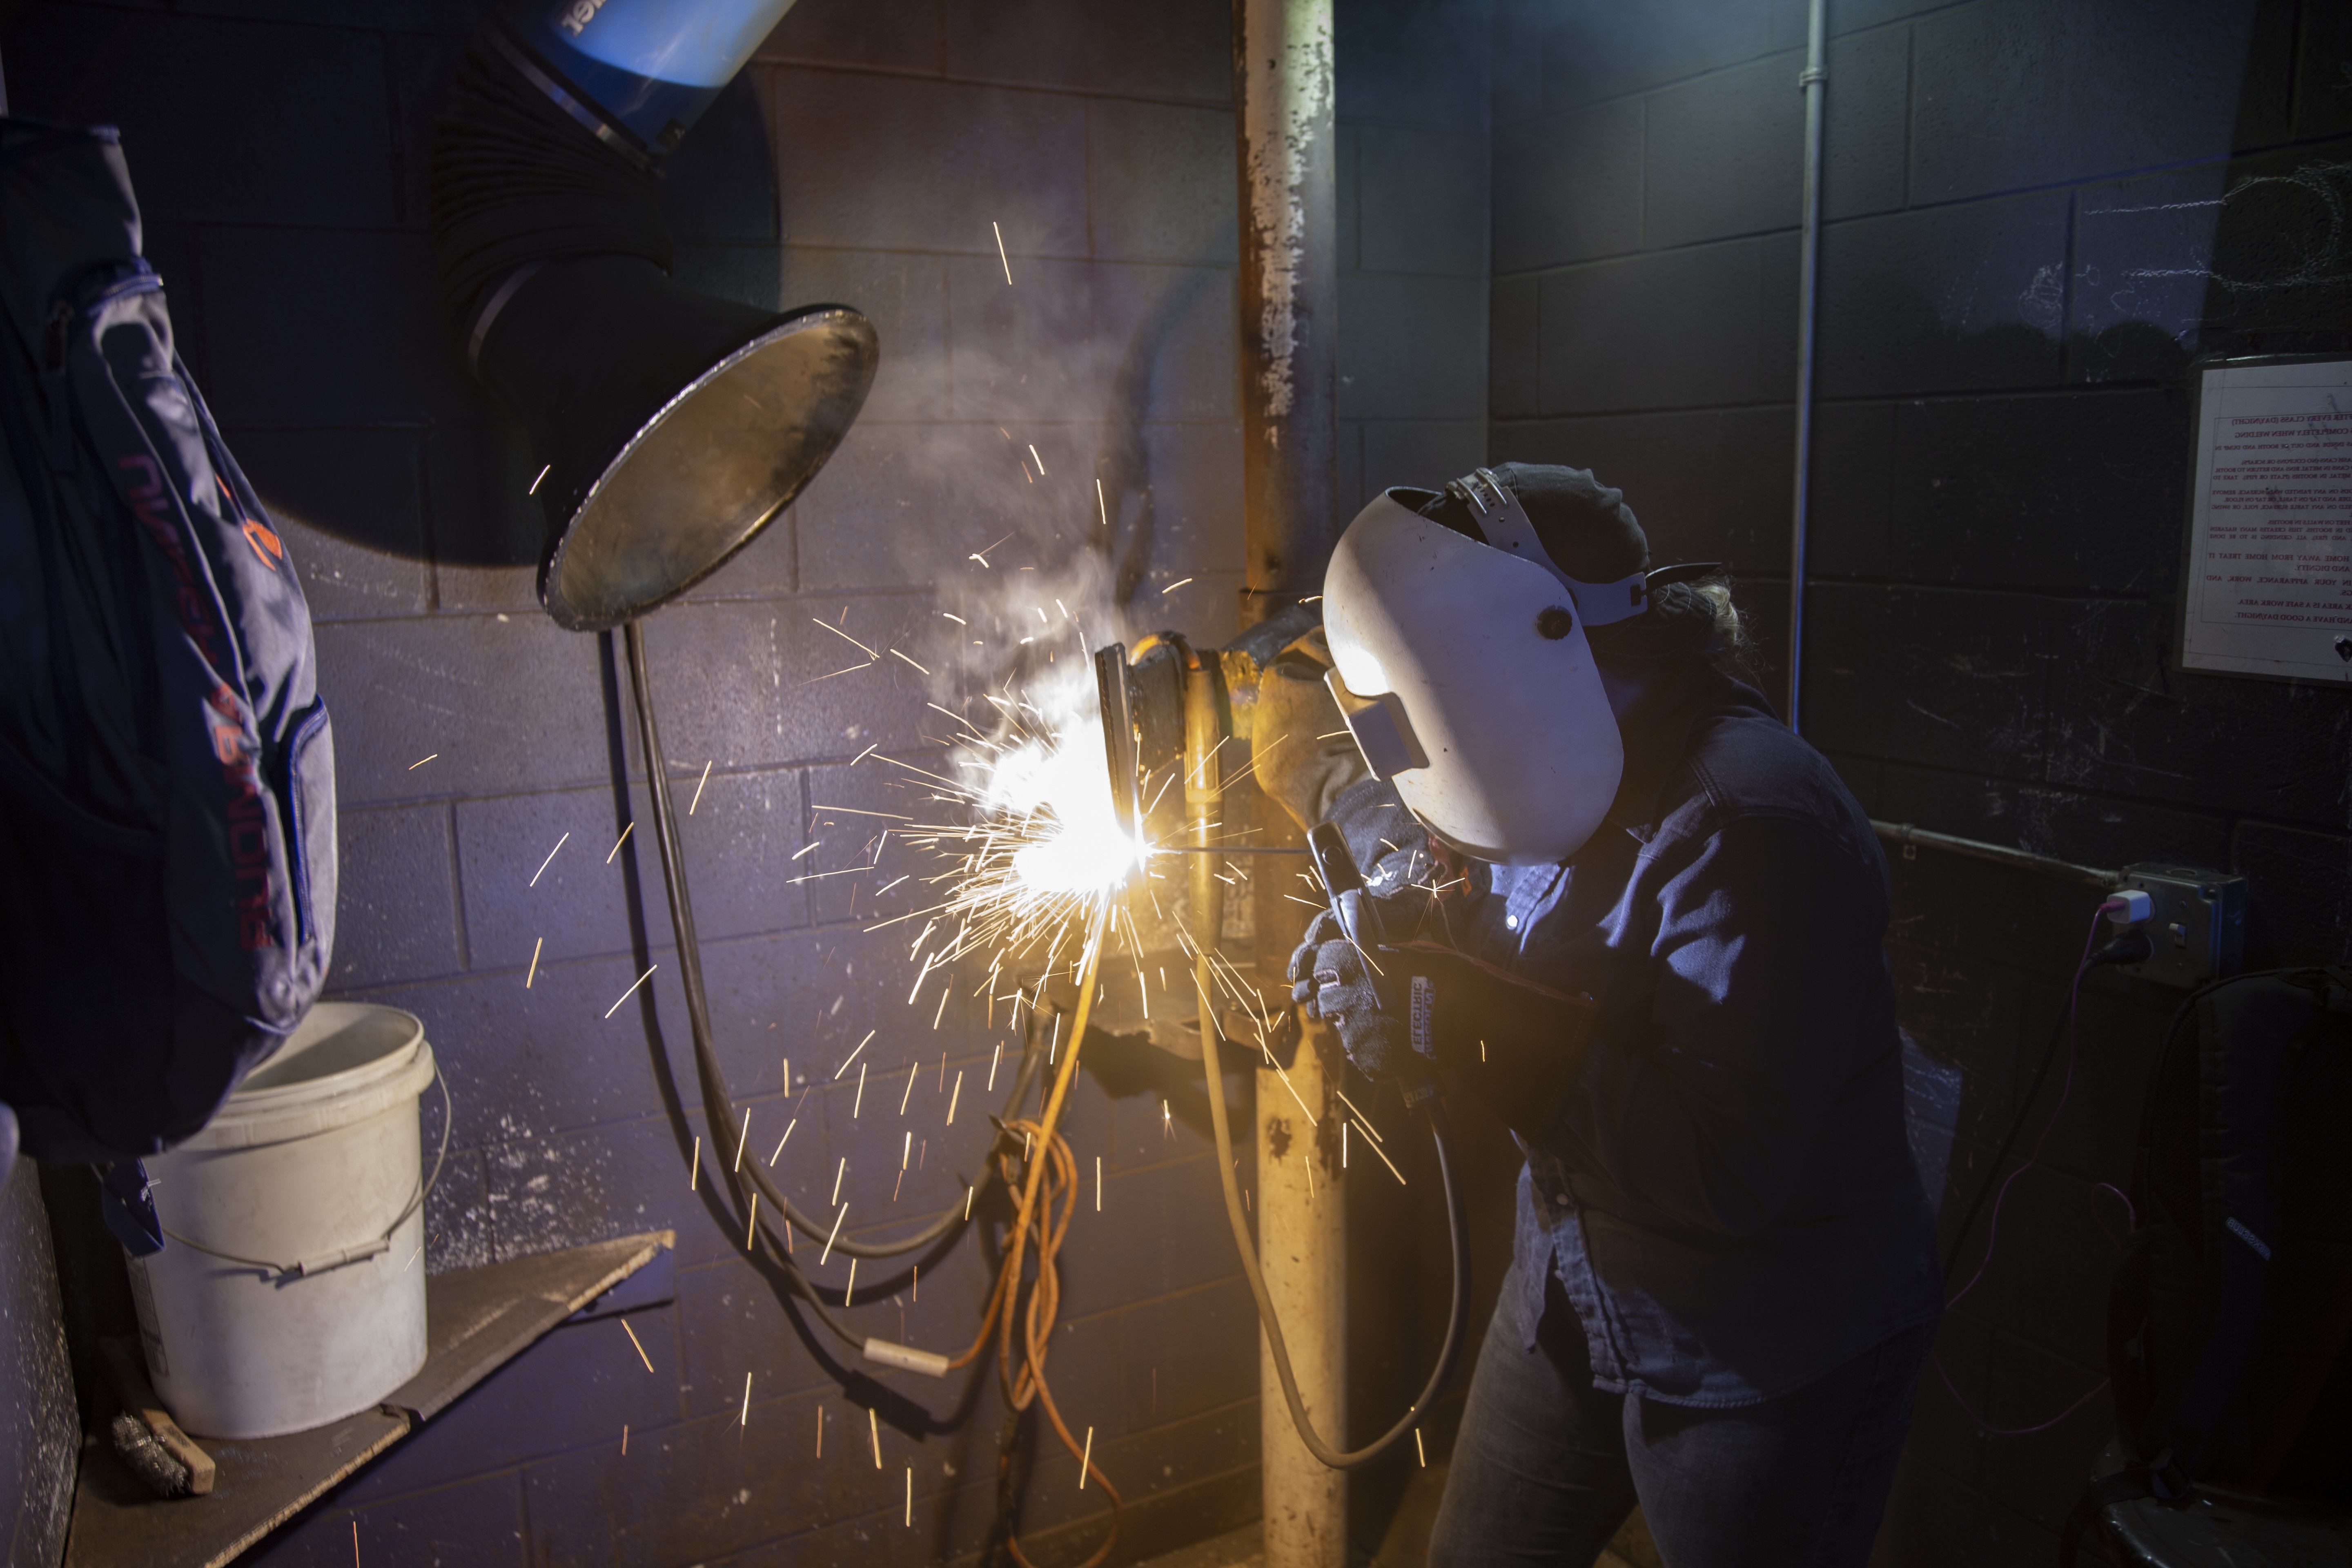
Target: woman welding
(1671, 989)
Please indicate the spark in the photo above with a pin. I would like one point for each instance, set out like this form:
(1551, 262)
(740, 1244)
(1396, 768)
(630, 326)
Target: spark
(1099, 1184)
(992, 1061)
(745, 1419)
(1166, 1120)
(421, 761)
(906, 1155)
(624, 1439)
(1041, 462)
(909, 1092)
(1008, 283)
(957, 619)
(1102, 504)
(1360, 1117)
(543, 865)
(1086, 1460)
(845, 636)
(839, 1170)
(910, 1497)
(744, 1138)
(969, 1194)
(1173, 587)
(627, 828)
(954, 1097)
(1419, 1449)
(1385, 1159)
(910, 661)
(751, 1230)
(632, 991)
(542, 475)
(805, 849)
(638, 1343)
(852, 1055)
(533, 975)
(846, 1289)
(694, 1172)
(829, 1239)
(698, 788)
(820, 1431)
(874, 1425)
(859, 1103)
(781, 1141)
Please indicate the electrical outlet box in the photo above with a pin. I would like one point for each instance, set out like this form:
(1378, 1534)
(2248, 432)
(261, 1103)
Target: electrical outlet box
(2196, 923)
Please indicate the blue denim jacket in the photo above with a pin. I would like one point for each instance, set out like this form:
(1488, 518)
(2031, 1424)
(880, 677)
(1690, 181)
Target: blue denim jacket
(1729, 1199)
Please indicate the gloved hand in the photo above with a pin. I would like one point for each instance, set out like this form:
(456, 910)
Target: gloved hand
(1303, 753)
(1331, 981)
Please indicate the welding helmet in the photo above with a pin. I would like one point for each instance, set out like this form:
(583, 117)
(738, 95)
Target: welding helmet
(1461, 661)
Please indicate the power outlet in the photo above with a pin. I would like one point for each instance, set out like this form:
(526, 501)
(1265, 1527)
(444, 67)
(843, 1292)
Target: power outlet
(2196, 923)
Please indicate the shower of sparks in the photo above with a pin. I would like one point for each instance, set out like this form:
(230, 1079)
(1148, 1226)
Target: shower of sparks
(543, 865)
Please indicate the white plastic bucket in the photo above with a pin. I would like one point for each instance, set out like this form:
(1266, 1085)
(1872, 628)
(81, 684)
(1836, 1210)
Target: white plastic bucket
(310, 1174)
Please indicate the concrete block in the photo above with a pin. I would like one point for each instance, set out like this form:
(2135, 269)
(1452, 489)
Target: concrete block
(508, 704)
(1605, 52)
(1666, 331)
(424, 67)
(573, 1389)
(752, 682)
(719, 186)
(1867, 122)
(1348, 179)
(1350, 465)
(326, 327)
(1190, 1354)
(1568, 185)
(890, 510)
(901, 163)
(1180, 49)
(1514, 347)
(1966, 1013)
(1415, 351)
(891, 35)
(1754, 476)
(1724, 155)
(2125, 724)
(1949, 298)
(1422, 453)
(486, 529)
(472, 1524)
(349, 507)
(707, 1487)
(566, 1189)
(1705, 486)
(2012, 96)
(1418, 64)
(1161, 181)
(2086, 829)
(1422, 201)
(1214, 1444)
(1932, 1517)
(905, 298)
(458, 1213)
(91, 64)
(1074, 341)
(898, 1171)
(2321, 106)
(1973, 696)
(730, 1322)
(396, 909)
(574, 908)
(1161, 1229)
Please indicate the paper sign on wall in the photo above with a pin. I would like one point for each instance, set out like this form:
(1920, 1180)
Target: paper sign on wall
(2268, 587)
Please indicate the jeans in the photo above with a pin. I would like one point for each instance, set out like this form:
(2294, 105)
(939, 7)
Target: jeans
(1547, 1466)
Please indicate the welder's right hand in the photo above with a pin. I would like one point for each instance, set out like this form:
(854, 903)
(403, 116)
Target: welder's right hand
(1300, 747)
(1331, 981)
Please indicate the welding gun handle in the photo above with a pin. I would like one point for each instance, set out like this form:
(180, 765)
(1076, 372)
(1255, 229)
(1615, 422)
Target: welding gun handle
(1334, 861)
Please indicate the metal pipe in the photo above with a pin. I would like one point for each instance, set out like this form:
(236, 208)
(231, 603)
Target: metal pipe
(1289, 303)
(1813, 80)
(2000, 854)
(1289, 299)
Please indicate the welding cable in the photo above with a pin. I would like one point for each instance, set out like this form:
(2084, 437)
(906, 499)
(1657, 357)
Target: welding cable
(717, 1104)
(1457, 1229)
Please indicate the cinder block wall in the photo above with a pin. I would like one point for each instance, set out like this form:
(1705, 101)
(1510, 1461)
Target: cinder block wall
(2037, 212)
(280, 154)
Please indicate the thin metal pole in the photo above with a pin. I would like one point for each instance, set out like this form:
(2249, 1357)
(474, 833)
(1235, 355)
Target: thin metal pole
(1814, 81)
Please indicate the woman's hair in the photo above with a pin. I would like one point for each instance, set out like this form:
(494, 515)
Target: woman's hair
(1686, 620)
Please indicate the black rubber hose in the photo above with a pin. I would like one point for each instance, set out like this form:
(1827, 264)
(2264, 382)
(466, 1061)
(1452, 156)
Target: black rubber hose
(717, 1105)
(1456, 1312)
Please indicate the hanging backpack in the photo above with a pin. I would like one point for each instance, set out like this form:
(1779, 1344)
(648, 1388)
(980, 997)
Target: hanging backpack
(167, 799)
(2229, 1317)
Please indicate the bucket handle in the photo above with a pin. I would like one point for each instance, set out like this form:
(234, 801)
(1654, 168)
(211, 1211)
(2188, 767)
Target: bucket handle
(363, 1250)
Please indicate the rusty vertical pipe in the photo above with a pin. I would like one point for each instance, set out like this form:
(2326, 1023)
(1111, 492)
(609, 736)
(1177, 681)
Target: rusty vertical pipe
(1289, 295)
(1284, 86)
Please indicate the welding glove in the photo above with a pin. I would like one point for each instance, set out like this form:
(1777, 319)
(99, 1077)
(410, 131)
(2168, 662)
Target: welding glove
(1303, 754)
(1517, 1050)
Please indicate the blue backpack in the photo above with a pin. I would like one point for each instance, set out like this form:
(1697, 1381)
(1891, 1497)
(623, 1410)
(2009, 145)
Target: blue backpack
(167, 796)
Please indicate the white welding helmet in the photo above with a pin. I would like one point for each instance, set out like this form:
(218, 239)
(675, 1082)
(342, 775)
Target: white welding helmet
(1463, 671)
